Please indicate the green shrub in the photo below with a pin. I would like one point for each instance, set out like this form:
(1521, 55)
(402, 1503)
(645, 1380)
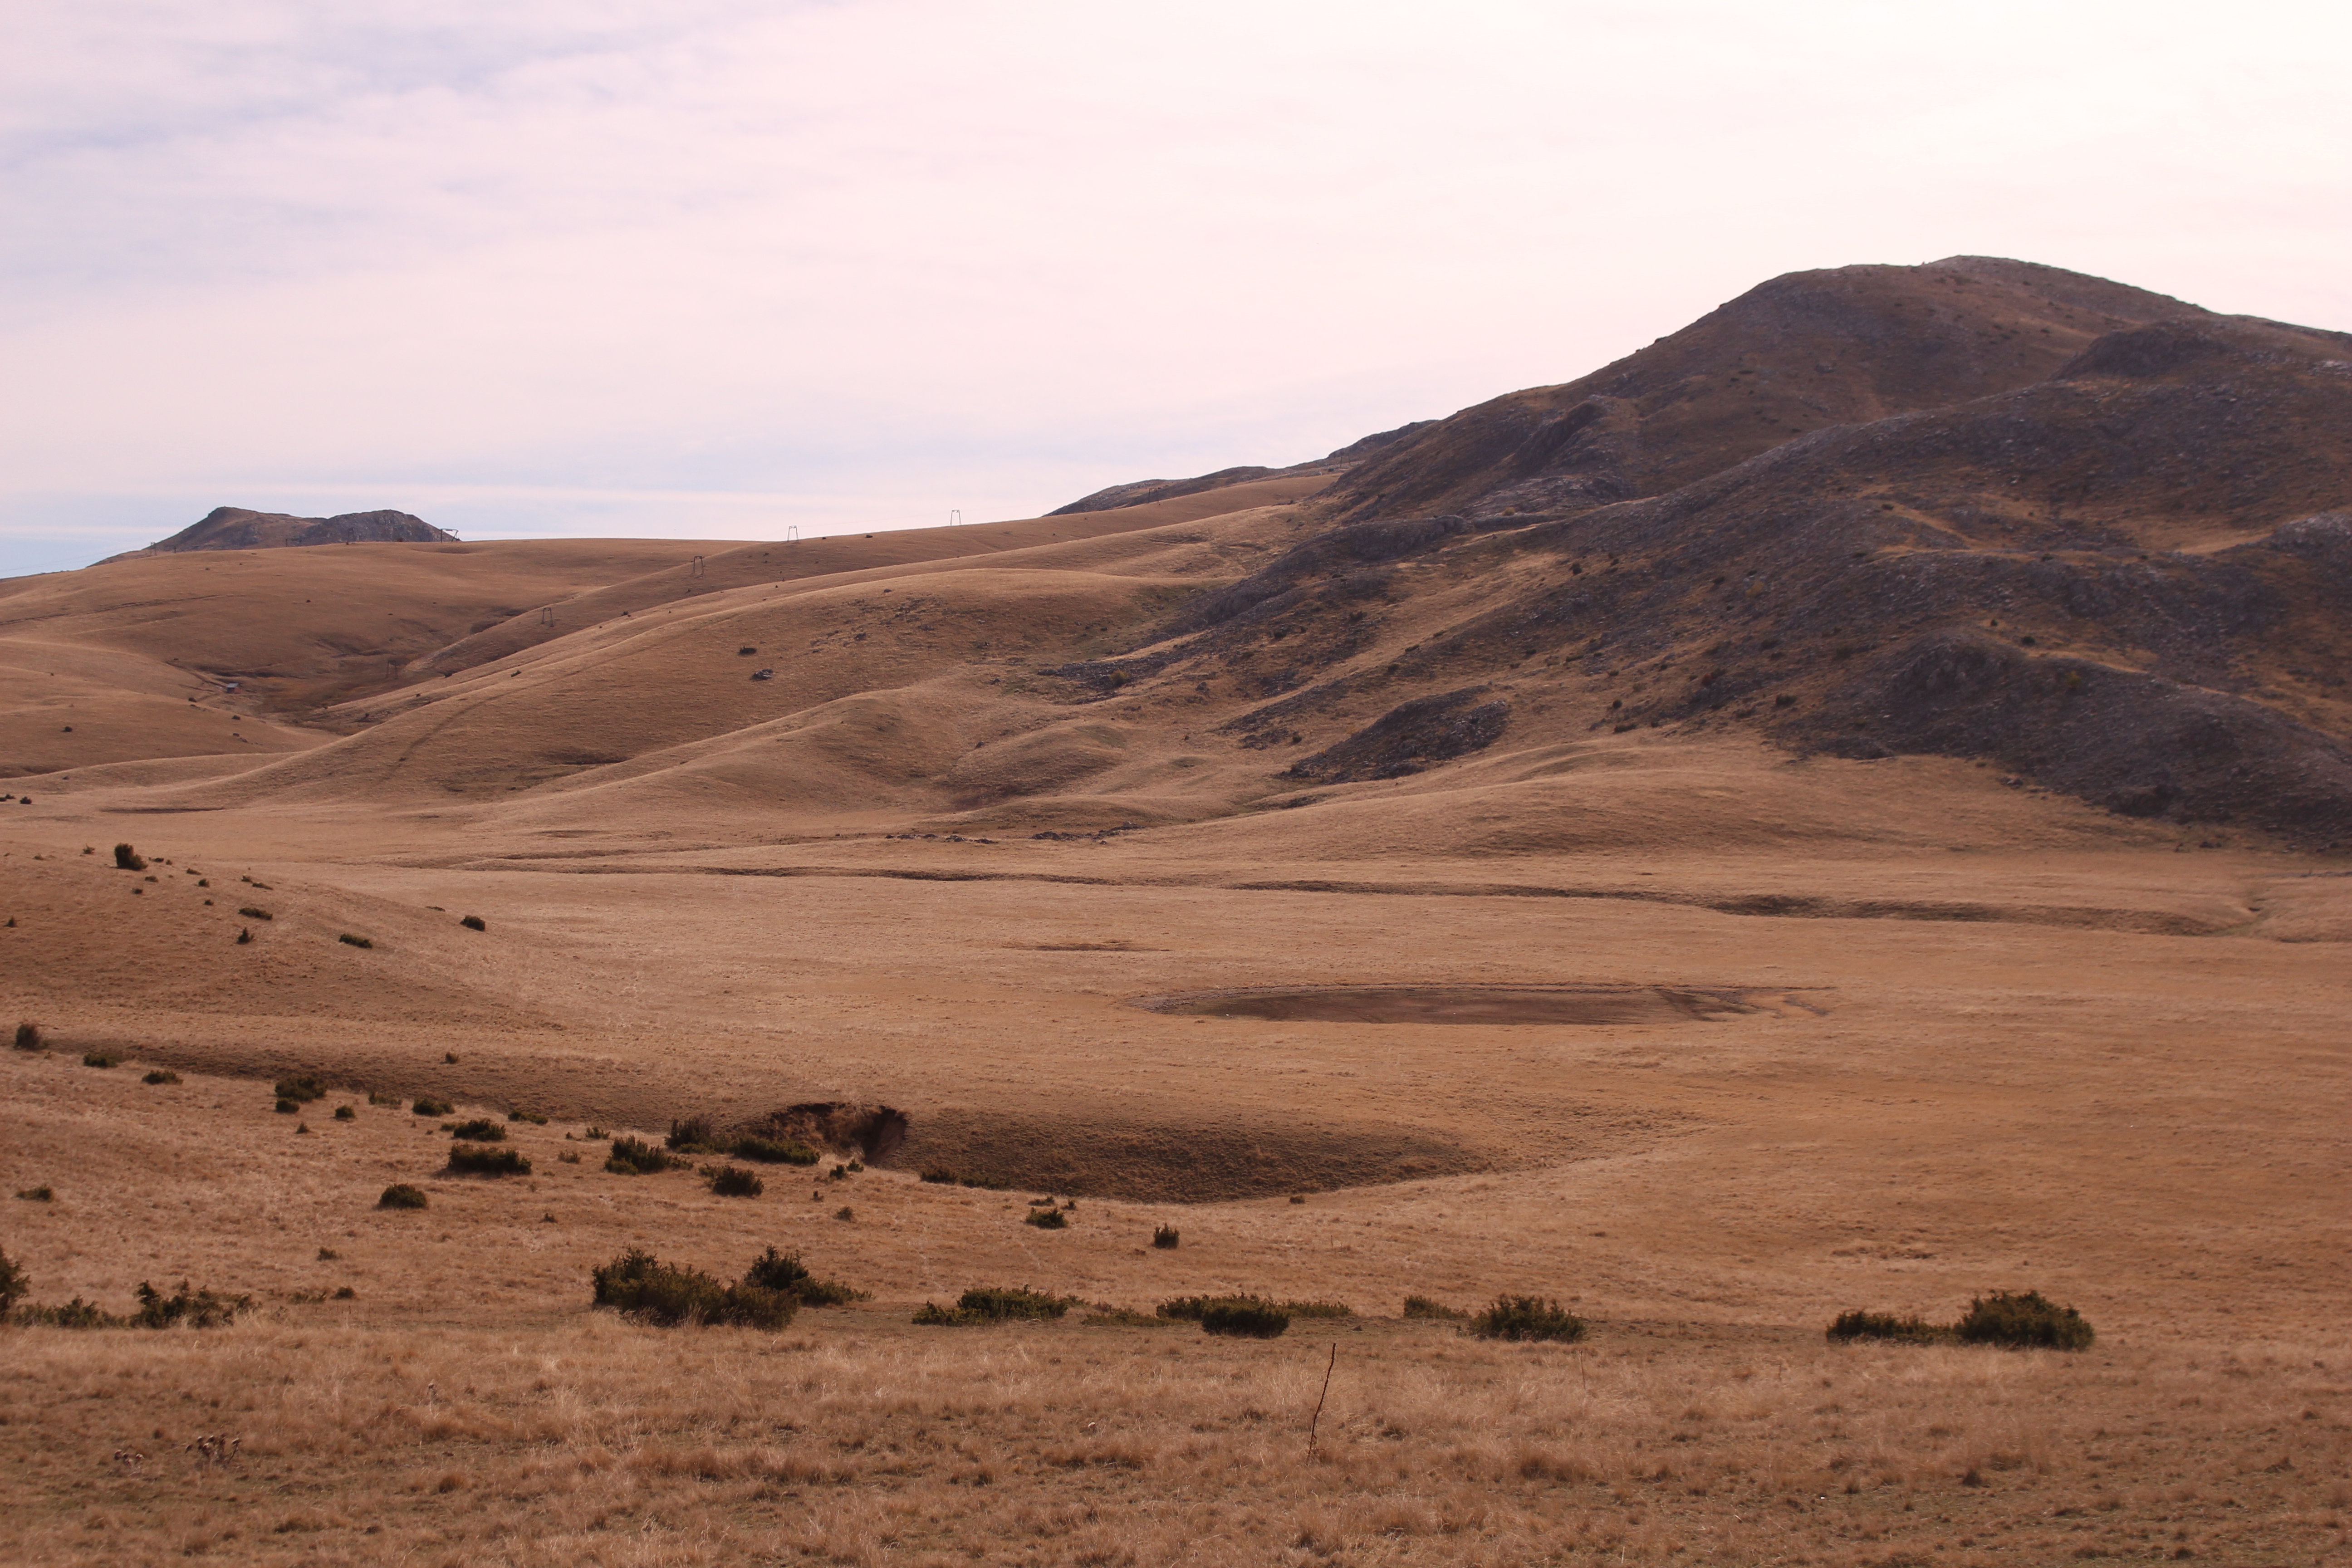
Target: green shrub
(945, 1177)
(345, 1113)
(1246, 1319)
(376, 1098)
(199, 1310)
(304, 1089)
(286, 1107)
(474, 922)
(638, 1285)
(347, 1294)
(735, 1182)
(243, 933)
(1189, 1309)
(347, 939)
(28, 1037)
(481, 1129)
(2022, 1320)
(769, 1151)
(160, 1074)
(43, 1194)
(99, 1060)
(429, 1107)
(255, 912)
(468, 1159)
(126, 858)
(75, 1314)
(693, 1135)
(1423, 1307)
(991, 1305)
(635, 1156)
(1527, 1318)
(1851, 1326)
(1319, 1309)
(14, 1283)
(401, 1195)
(1048, 1219)
(774, 1270)
(594, 1134)
(533, 1117)
(1105, 1316)
(1165, 1236)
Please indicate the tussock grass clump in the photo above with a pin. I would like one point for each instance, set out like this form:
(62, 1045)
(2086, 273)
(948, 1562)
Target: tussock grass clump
(28, 1037)
(1528, 1318)
(345, 1113)
(75, 1314)
(256, 913)
(2023, 1321)
(347, 939)
(1245, 1320)
(533, 1117)
(989, 1304)
(401, 1195)
(471, 1160)
(1319, 1309)
(774, 1270)
(287, 1107)
(126, 858)
(481, 1129)
(693, 1135)
(635, 1157)
(1423, 1307)
(99, 1060)
(773, 1151)
(945, 1177)
(40, 1195)
(302, 1090)
(1165, 1236)
(1852, 1326)
(160, 1074)
(474, 922)
(735, 1182)
(638, 1285)
(1048, 1219)
(430, 1107)
(196, 1309)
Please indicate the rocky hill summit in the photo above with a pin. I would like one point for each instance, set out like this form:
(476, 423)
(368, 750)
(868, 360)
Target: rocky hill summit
(236, 528)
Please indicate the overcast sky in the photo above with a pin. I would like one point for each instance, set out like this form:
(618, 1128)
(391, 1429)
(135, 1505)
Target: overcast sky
(709, 268)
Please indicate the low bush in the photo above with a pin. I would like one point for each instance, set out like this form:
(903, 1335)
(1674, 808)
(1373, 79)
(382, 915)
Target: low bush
(2023, 1321)
(1423, 1307)
(99, 1060)
(160, 1074)
(1527, 1318)
(255, 912)
(196, 1309)
(243, 933)
(14, 1283)
(1245, 1320)
(1048, 1219)
(126, 858)
(401, 1195)
(347, 939)
(1105, 1316)
(735, 1182)
(1165, 1236)
(640, 1286)
(945, 1177)
(429, 1107)
(595, 1134)
(471, 1160)
(1319, 1309)
(1851, 1326)
(286, 1107)
(635, 1157)
(481, 1129)
(533, 1117)
(991, 1305)
(345, 1113)
(694, 1135)
(75, 1314)
(28, 1037)
(771, 1152)
(474, 922)
(40, 1195)
(376, 1098)
(774, 1270)
(304, 1089)
(844, 1214)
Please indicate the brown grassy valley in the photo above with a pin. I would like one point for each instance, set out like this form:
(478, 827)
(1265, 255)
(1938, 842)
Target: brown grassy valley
(1846, 808)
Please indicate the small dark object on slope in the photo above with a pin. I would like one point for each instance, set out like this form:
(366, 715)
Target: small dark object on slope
(1527, 1318)
(1048, 1219)
(303, 1089)
(2023, 1320)
(735, 1182)
(1166, 1235)
(99, 1060)
(401, 1195)
(474, 922)
(347, 939)
(256, 913)
(345, 1113)
(1423, 1307)
(990, 1305)
(160, 1074)
(481, 1129)
(635, 1157)
(468, 1159)
(28, 1037)
(126, 858)
(286, 1107)
(430, 1107)
(1245, 1320)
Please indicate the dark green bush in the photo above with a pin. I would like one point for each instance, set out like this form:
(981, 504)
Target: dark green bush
(304, 1089)
(255, 912)
(1527, 1318)
(693, 1135)
(198, 1309)
(990, 1305)
(1164, 1235)
(345, 1113)
(28, 1037)
(43, 1194)
(1319, 1309)
(1048, 1219)
(481, 1129)
(99, 1060)
(769, 1151)
(735, 1182)
(126, 858)
(1189, 1308)
(774, 1270)
(14, 1283)
(468, 1159)
(1851, 1326)
(432, 1108)
(160, 1074)
(243, 933)
(1423, 1307)
(1246, 1319)
(640, 1286)
(401, 1195)
(286, 1107)
(75, 1314)
(635, 1156)
(533, 1117)
(945, 1177)
(2023, 1321)
(474, 922)
(347, 939)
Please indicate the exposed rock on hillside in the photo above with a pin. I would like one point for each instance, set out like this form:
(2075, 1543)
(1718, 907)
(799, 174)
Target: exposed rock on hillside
(236, 528)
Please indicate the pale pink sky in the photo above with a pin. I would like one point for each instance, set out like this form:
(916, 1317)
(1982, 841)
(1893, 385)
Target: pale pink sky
(711, 269)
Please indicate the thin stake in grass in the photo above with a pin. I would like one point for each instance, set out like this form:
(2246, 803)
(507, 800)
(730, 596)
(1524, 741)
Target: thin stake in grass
(1317, 1423)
